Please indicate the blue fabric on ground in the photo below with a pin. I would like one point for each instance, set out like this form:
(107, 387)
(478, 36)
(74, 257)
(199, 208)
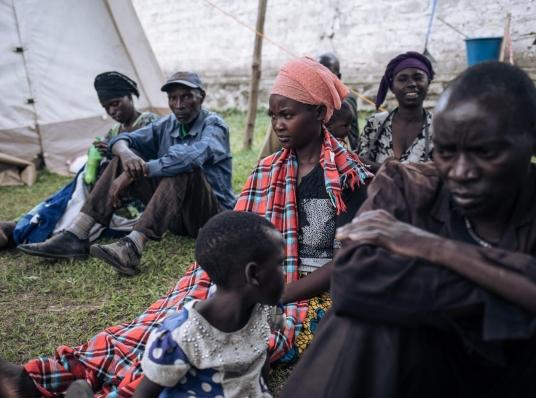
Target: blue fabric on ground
(37, 225)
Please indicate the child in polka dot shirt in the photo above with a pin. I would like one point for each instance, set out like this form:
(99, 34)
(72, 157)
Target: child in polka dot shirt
(218, 347)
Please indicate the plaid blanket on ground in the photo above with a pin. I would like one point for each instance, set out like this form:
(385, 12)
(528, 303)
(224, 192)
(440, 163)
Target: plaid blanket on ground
(110, 361)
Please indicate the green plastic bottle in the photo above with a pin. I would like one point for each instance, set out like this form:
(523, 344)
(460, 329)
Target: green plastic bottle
(92, 166)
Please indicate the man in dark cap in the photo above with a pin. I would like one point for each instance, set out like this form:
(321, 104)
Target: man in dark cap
(179, 166)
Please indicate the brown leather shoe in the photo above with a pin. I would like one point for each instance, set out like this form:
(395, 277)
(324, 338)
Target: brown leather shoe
(64, 245)
(6, 234)
(123, 255)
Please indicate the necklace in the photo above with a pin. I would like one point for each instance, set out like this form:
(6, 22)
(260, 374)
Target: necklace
(474, 236)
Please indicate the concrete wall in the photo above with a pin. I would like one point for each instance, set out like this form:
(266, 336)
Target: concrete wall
(191, 34)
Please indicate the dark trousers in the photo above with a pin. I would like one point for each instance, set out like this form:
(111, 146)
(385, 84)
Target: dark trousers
(356, 358)
(182, 203)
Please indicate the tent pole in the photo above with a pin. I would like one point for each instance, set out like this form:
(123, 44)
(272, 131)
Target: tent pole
(30, 101)
(139, 52)
(255, 76)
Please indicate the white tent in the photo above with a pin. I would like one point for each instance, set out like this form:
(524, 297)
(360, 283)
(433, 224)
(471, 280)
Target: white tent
(51, 52)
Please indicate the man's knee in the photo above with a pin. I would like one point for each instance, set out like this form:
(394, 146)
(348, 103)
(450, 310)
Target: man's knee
(182, 179)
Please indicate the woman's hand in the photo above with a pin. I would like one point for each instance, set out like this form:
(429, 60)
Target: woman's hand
(380, 228)
(118, 186)
(101, 146)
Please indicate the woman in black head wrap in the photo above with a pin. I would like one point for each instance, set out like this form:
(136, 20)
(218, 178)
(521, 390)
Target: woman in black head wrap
(115, 92)
(404, 133)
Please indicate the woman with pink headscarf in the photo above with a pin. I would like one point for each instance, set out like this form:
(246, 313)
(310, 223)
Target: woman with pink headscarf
(307, 189)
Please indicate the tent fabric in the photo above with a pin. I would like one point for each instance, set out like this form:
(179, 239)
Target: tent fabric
(16, 171)
(48, 105)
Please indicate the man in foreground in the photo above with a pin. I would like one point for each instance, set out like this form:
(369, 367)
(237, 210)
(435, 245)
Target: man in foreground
(435, 292)
(179, 166)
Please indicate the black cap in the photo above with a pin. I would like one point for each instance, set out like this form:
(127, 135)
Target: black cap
(189, 79)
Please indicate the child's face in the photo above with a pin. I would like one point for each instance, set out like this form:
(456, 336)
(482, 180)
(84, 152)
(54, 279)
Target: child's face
(340, 125)
(271, 279)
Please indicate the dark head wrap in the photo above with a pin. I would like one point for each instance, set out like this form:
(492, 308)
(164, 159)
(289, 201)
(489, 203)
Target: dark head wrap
(114, 85)
(411, 59)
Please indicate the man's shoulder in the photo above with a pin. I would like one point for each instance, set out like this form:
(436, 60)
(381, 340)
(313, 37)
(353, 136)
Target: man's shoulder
(410, 174)
(165, 120)
(213, 118)
(164, 125)
(412, 170)
(416, 181)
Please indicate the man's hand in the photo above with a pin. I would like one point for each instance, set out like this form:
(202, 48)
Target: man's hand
(118, 186)
(380, 228)
(101, 146)
(133, 165)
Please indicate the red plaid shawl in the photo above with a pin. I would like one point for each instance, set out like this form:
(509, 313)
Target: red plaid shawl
(110, 361)
(270, 191)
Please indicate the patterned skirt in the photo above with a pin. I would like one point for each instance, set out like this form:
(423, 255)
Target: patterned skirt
(317, 308)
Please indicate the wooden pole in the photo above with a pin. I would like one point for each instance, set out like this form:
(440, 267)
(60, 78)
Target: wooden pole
(506, 54)
(255, 76)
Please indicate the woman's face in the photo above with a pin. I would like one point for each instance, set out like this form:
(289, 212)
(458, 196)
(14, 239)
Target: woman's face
(410, 87)
(121, 109)
(294, 123)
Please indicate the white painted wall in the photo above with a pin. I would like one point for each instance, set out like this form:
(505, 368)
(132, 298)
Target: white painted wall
(190, 34)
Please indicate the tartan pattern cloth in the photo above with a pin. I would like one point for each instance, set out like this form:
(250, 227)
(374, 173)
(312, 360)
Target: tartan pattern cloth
(110, 361)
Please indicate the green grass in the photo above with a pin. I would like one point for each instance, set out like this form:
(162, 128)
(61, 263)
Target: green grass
(46, 304)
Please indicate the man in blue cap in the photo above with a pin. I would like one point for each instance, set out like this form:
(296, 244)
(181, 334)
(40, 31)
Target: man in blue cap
(179, 166)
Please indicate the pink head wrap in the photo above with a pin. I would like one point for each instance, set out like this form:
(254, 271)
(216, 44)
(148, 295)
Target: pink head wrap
(305, 80)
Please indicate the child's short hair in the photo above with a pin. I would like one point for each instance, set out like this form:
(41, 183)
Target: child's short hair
(345, 109)
(230, 240)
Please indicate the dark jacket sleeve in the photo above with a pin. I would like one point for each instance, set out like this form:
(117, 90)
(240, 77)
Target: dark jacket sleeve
(371, 283)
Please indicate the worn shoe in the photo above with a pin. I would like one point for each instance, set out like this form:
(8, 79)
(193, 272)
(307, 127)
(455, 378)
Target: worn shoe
(123, 255)
(64, 245)
(79, 389)
(6, 234)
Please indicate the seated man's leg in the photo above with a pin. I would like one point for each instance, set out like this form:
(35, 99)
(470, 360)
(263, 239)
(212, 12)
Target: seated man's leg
(353, 358)
(516, 378)
(183, 204)
(347, 359)
(199, 204)
(74, 242)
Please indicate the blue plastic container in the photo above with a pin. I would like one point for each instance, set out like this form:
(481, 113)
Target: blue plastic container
(483, 49)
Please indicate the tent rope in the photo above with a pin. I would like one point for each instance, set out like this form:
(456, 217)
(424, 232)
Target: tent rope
(284, 49)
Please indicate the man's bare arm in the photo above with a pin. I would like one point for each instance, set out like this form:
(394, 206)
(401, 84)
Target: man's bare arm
(312, 285)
